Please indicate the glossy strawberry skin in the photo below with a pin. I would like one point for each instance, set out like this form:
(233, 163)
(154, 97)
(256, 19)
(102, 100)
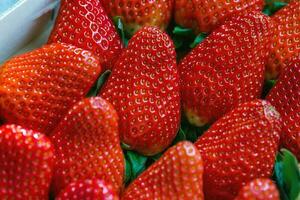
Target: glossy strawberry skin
(26, 163)
(291, 133)
(285, 97)
(286, 39)
(226, 69)
(87, 145)
(184, 14)
(39, 87)
(176, 175)
(239, 147)
(206, 15)
(137, 14)
(259, 189)
(144, 90)
(88, 189)
(85, 24)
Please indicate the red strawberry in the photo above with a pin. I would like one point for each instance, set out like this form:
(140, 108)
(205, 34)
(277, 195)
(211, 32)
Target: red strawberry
(259, 189)
(137, 13)
(205, 15)
(286, 39)
(185, 14)
(176, 175)
(291, 133)
(239, 147)
(285, 96)
(87, 145)
(85, 24)
(38, 88)
(26, 163)
(226, 69)
(88, 189)
(144, 90)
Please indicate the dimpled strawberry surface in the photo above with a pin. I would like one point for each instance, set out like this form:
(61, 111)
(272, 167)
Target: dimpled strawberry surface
(285, 96)
(242, 145)
(88, 189)
(137, 13)
(226, 69)
(86, 25)
(38, 88)
(259, 189)
(286, 39)
(153, 100)
(87, 145)
(182, 179)
(206, 15)
(144, 89)
(26, 163)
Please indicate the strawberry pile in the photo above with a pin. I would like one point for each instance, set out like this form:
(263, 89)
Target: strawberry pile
(166, 99)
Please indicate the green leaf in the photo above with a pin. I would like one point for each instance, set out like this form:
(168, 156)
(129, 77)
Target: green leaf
(272, 7)
(198, 40)
(184, 40)
(179, 31)
(287, 175)
(279, 177)
(182, 37)
(127, 171)
(267, 11)
(137, 163)
(121, 29)
(291, 174)
(278, 5)
(98, 85)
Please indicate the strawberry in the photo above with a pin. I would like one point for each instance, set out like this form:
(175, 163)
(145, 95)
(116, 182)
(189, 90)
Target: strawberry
(85, 24)
(286, 39)
(226, 69)
(87, 145)
(144, 90)
(259, 189)
(184, 14)
(206, 15)
(26, 163)
(285, 96)
(137, 14)
(39, 87)
(291, 133)
(176, 175)
(88, 189)
(239, 147)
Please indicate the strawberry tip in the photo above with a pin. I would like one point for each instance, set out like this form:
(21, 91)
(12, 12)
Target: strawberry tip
(270, 111)
(195, 119)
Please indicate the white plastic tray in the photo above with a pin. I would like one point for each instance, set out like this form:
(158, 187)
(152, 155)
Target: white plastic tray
(24, 22)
